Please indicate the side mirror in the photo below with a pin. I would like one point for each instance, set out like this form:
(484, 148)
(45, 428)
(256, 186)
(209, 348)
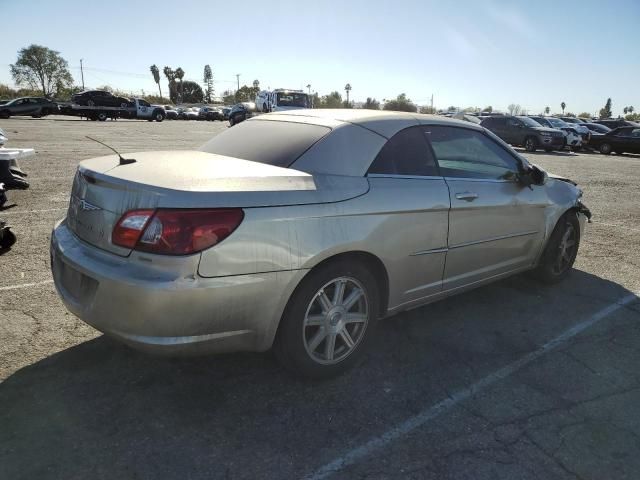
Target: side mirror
(533, 176)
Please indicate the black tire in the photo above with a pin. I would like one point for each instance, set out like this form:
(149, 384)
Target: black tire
(102, 117)
(7, 238)
(619, 152)
(548, 150)
(158, 116)
(605, 148)
(264, 108)
(5, 114)
(558, 257)
(530, 144)
(292, 340)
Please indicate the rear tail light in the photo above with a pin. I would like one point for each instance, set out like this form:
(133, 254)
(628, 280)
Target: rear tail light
(175, 232)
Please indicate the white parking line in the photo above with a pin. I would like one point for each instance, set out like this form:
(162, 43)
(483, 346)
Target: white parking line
(433, 411)
(25, 285)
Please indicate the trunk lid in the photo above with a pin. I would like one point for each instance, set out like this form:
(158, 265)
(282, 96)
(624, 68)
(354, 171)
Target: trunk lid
(103, 190)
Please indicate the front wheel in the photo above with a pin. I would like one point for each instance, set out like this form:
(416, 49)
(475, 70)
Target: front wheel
(530, 144)
(158, 117)
(231, 122)
(328, 321)
(560, 254)
(102, 117)
(605, 148)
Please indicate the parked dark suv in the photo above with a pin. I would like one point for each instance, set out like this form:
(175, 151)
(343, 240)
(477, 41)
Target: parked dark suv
(617, 122)
(523, 131)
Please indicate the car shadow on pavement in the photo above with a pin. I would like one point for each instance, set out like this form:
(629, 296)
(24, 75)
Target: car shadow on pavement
(102, 410)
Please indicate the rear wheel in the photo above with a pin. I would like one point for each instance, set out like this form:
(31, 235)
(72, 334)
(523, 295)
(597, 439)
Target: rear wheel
(561, 251)
(530, 144)
(231, 122)
(605, 148)
(102, 116)
(328, 321)
(159, 116)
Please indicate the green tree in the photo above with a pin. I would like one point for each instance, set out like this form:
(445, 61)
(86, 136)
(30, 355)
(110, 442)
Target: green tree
(228, 97)
(401, 104)
(41, 68)
(256, 85)
(371, 104)
(563, 105)
(179, 73)
(156, 76)
(333, 100)
(631, 109)
(244, 94)
(190, 92)
(208, 81)
(316, 101)
(488, 109)
(584, 115)
(428, 109)
(547, 110)
(606, 111)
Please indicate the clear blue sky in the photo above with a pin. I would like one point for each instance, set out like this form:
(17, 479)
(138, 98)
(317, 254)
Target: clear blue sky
(465, 52)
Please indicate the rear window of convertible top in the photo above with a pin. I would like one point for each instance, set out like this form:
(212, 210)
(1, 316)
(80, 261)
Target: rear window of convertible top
(266, 141)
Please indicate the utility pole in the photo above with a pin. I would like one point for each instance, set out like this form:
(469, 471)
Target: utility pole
(238, 79)
(432, 102)
(82, 74)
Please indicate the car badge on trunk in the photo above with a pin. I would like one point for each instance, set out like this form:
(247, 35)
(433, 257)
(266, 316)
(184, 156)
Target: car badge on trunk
(88, 206)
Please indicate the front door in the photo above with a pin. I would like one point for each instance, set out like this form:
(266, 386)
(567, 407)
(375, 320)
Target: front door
(495, 224)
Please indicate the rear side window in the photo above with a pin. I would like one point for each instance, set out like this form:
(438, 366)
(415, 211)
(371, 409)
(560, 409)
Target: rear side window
(406, 153)
(266, 141)
(466, 153)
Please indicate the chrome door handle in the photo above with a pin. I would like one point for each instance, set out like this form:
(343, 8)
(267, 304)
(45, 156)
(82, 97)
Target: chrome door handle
(468, 196)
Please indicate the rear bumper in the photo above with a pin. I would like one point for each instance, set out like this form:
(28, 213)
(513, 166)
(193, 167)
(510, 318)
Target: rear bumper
(168, 308)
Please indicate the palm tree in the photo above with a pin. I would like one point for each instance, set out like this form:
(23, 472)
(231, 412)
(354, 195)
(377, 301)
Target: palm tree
(179, 73)
(547, 110)
(563, 105)
(347, 88)
(625, 110)
(156, 77)
(171, 78)
(631, 109)
(256, 84)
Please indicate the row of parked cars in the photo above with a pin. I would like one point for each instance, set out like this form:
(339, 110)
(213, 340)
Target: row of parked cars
(535, 132)
(234, 114)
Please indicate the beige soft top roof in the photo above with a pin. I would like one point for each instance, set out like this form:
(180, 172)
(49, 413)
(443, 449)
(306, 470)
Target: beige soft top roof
(382, 122)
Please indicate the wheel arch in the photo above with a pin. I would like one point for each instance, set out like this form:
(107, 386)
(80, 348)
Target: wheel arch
(371, 261)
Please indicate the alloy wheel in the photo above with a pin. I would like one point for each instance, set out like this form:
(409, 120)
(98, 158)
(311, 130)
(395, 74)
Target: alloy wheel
(335, 320)
(566, 250)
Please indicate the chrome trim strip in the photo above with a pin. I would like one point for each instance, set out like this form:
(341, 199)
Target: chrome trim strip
(486, 180)
(428, 252)
(415, 177)
(503, 237)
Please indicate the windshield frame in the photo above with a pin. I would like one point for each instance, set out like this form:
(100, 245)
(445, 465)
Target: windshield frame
(529, 122)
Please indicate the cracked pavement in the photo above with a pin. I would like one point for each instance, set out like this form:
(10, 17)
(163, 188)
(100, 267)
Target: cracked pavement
(74, 404)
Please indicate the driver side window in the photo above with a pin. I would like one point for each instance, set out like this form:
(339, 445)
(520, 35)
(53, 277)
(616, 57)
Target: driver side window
(466, 153)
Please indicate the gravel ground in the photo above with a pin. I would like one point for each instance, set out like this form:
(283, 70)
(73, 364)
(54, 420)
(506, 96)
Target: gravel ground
(469, 387)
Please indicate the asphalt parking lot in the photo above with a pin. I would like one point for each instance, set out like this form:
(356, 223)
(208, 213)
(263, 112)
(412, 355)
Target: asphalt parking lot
(511, 381)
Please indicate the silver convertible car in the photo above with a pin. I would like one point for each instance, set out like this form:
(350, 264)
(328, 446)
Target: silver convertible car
(299, 231)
